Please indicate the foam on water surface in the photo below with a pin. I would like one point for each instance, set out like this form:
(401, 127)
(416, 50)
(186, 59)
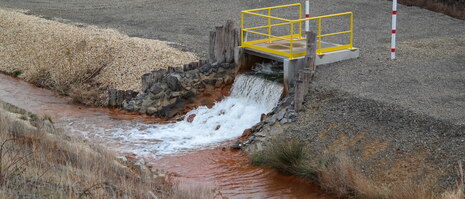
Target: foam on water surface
(250, 97)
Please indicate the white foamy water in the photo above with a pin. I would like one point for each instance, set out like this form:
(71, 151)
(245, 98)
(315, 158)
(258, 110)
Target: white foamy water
(250, 97)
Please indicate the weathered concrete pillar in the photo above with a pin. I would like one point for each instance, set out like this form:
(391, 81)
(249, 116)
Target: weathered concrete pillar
(291, 69)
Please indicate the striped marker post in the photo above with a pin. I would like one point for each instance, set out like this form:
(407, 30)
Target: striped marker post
(393, 32)
(307, 15)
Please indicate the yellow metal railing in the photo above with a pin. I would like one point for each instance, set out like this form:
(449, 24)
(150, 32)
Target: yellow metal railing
(292, 37)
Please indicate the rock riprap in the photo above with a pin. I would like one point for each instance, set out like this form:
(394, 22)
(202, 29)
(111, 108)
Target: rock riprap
(165, 93)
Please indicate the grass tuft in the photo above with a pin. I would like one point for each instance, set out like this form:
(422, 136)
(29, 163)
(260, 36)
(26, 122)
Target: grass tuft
(48, 118)
(289, 157)
(16, 73)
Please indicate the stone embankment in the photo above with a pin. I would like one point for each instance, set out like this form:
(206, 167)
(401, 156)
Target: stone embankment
(170, 92)
(166, 94)
(255, 138)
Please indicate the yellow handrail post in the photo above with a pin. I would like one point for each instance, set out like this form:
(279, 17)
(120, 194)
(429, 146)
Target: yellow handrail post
(300, 17)
(351, 30)
(269, 25)
(319, 37)
(291, 40)
(242, 29)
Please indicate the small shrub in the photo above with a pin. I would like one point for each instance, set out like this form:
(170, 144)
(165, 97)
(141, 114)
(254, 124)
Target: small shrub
(33, 116)
(12, 161)
(88, 95)
(48, 117)
(23, 117)
(288, 157)
(16, 73)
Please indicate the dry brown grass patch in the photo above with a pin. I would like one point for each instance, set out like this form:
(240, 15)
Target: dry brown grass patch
(39, 161)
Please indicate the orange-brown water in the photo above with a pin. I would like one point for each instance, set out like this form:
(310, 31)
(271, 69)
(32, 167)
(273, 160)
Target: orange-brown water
(228, 171)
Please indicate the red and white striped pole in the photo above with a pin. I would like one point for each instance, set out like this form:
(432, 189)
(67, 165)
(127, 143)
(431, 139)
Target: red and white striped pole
(393, 32)
(307, 15)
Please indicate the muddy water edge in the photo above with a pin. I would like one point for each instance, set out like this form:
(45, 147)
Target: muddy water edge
(228, 171)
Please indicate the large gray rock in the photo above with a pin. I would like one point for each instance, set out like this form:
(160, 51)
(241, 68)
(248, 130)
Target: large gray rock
(156, 88)
(173, 83)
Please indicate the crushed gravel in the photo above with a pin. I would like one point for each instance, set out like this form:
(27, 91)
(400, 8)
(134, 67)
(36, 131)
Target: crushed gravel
(60, 55)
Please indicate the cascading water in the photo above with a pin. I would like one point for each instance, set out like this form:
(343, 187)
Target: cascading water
(250, 97)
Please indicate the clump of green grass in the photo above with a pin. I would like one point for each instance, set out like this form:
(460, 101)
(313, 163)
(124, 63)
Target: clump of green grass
(289, 157)
(33, 117)
(16, 73)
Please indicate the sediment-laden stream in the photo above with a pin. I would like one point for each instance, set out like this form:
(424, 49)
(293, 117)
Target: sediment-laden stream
(197, 151)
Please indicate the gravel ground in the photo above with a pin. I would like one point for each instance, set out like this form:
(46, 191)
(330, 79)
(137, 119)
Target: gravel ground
(182, 21)
(413, 109)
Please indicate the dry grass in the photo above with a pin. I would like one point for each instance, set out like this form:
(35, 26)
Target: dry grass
(194, 191)
(337, 174)
(75, 60)
(39, 161)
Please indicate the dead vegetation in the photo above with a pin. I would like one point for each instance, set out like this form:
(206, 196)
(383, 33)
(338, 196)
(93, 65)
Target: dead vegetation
(79, 61)
(39, 161)
(337, 174)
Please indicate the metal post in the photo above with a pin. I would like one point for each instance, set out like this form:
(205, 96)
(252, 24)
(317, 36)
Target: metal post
(291, 40)
(269, 25)
(351, 30)
(319, 36)
(242, 29)
(393, 32)
(307, 15)
(300, 17)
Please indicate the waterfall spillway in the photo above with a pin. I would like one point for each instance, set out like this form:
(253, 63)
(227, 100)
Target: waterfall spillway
(257, 90)
(250, 97)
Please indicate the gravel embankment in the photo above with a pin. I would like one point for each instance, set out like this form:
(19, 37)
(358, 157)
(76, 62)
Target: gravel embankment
(388, 142)
(75, 60)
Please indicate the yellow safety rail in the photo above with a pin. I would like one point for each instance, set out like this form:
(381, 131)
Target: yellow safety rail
(292, 37)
